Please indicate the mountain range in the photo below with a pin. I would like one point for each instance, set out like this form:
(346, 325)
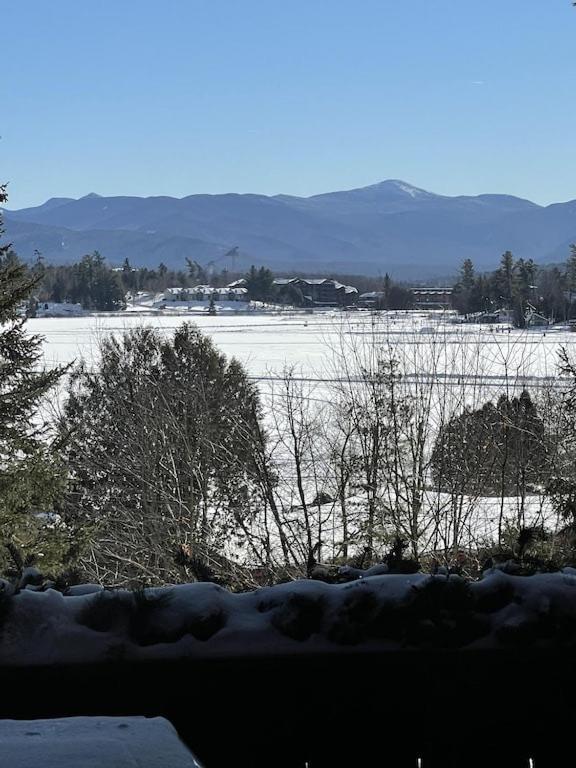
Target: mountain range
(387, 227)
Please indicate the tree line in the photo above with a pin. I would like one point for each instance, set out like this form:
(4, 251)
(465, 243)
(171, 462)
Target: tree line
(97, 286)
(518, 285)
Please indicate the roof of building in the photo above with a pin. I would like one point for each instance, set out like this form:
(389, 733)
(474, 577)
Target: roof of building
(431, 291)
(228, 291)
(281, 281)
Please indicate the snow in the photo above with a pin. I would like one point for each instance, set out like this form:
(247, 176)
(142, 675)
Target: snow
(374, 613)
(59, 309)
(266, 343)
(409, 190)
(476, 523)
(93, 742)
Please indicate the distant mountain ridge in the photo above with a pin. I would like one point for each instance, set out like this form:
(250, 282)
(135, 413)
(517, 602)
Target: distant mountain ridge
(390, 227)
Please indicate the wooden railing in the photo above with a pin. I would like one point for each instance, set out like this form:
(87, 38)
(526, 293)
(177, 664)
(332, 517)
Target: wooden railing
(413, 709)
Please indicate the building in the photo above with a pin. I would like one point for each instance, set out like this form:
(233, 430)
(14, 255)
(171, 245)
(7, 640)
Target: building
(319, 292)
(371, 299)
(432, 298)
(488, 317)
(230, 293)
(176, 294)
(205, 293)
(58, 309)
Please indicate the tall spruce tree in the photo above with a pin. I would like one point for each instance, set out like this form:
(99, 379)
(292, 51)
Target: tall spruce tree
(503, 280)
(29, 477)
(464, 288)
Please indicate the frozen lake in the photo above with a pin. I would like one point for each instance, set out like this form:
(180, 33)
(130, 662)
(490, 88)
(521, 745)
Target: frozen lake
(424, 343)
(263, 343)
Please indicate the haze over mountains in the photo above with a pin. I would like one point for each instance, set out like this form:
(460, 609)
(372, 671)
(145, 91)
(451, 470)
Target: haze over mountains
(387, 227)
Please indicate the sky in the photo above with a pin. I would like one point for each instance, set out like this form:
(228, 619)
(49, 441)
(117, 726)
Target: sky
(140, 97)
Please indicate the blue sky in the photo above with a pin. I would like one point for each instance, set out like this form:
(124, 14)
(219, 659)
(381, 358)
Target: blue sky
(185, 96)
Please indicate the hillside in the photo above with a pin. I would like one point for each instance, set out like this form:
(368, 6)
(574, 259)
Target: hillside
(388, 227)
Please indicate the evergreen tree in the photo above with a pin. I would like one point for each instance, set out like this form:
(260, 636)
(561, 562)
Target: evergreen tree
(29, 475)
(504, 280)
(386, 290)
(523, 289)
(260, 284)
(129, 277)
(161, 447)
(163, 276)
(394, 296)
(552, 293)
(464, 288)
(290, 294)
(497, 449)
(95, 286)
(467, 275)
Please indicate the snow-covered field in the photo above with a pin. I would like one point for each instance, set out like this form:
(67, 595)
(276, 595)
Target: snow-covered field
(266, 343)
(263, 342)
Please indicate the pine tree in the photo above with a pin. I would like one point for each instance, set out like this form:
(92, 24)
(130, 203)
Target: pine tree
(464, 288)
(386, 290)
(29, 478)
(522, 289)
(504, 279)
(95, 285)
(260, 284)
(497, 449)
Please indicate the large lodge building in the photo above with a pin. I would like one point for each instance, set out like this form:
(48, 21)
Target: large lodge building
(320, 292)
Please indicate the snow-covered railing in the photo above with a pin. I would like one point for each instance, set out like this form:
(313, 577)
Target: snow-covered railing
(374, 614)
